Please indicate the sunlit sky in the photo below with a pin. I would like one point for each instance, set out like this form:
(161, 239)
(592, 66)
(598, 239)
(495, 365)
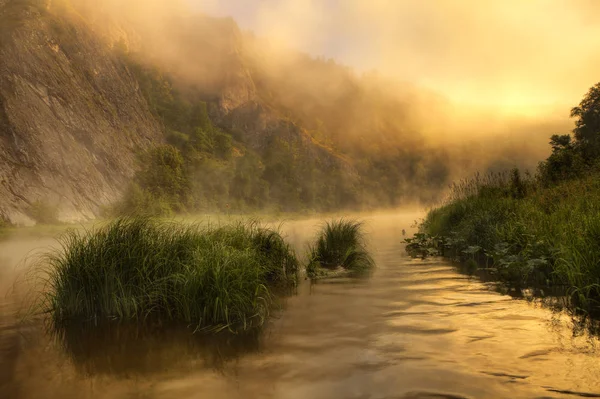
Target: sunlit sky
(514, 55)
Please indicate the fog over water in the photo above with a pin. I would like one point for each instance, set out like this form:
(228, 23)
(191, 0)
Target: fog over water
(417, 329)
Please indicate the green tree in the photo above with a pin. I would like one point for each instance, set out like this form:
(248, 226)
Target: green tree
(247, 186)
(587, 125)
(164, 177)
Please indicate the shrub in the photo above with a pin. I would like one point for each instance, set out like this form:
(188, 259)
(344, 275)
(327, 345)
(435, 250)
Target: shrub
(160, 188)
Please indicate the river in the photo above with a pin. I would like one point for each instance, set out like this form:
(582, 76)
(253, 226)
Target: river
(416, 329)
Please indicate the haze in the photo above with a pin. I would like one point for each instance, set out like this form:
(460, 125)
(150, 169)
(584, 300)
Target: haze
(517, 57)
(485, 83)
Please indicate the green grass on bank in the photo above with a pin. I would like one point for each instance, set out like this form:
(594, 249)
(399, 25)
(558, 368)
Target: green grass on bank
(531, 231)
(527, 234)
(133, 269)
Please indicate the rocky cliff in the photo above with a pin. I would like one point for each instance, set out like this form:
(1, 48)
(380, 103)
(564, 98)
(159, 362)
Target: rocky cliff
(75, 111)
(71, 116)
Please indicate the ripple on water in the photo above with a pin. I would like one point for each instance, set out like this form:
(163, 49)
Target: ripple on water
(416, 330)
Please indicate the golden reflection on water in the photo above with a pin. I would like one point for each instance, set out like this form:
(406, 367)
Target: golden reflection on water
(416, 329)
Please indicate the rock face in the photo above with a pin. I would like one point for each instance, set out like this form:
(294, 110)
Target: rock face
(71, 116)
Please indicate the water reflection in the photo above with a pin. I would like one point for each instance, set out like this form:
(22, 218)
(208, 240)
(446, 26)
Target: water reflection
(124, 350)
(416, 329)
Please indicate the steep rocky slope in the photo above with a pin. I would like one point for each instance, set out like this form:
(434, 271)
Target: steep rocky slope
(304, 133)
(71, 116)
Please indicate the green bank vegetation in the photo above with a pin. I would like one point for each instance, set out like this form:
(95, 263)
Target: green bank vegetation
(210, 277)
(296, 164)
(541, 231)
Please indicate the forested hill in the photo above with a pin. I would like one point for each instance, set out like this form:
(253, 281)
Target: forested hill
(101, 111)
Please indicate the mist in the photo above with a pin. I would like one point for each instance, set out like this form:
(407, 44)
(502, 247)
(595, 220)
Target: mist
(472, 86)
(510, 69)
(517, 57)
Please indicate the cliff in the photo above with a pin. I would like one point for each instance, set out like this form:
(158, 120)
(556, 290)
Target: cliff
(83, 87)
(71, 116)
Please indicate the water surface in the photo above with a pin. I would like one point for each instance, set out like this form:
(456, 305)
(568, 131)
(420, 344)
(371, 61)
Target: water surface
(416, 329)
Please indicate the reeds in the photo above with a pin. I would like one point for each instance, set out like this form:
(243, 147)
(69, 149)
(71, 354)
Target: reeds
(340, 243)
(509, 183)
(134, 269)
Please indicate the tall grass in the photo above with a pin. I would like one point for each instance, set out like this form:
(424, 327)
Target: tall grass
(549, 237)
(510, 183)
(340, 243)
(209, 277)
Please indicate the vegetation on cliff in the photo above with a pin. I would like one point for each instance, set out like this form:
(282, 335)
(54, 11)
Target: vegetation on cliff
(255, 129)
(540, 231)
(215, 170)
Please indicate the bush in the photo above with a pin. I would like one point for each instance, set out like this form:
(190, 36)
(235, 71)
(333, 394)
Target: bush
(134, 269)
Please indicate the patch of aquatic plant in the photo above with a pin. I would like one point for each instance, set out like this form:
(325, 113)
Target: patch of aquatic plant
(210, 277)
(339, 244)
(422, 245)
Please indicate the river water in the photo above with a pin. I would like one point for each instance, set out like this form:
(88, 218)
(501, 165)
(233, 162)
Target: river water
(416, 329)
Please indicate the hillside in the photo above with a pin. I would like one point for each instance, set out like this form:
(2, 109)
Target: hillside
(86, 88)
(71, 116)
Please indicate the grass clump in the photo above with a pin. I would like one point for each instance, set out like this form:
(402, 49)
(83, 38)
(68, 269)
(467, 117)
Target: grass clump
(134, 269)
(339, 244)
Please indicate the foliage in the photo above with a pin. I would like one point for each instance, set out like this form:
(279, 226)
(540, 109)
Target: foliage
(133, 269)
(160, 187)
(548, 239)
(541, 231)
(575, 156)
(587, 125)
(219, 171)
(340, 243)
(299, 164)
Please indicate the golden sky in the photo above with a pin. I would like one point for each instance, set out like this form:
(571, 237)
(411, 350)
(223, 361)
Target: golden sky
(515, 56)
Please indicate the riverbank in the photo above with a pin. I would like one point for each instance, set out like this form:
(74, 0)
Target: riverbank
(540, 231)
(523, 233)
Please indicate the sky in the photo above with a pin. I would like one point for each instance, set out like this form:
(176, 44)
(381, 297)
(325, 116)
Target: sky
(516, 56)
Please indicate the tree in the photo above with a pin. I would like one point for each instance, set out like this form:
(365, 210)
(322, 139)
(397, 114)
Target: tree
(561, 142)
(565, 162)
(575, 155)
(164, 176)
(587, 125)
